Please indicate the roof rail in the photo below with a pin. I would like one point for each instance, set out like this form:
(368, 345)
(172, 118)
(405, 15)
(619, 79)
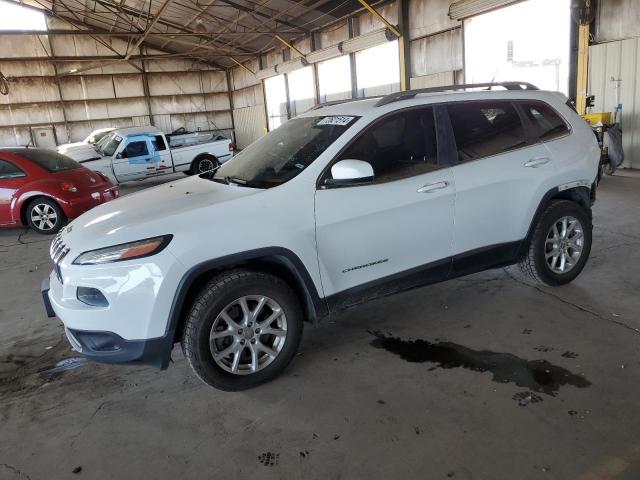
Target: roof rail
(394, 97)
(338, 102)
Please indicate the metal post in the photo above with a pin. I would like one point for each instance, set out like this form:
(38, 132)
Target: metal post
(145, 88)
(404, 45)
(230, 93)
(352, 60)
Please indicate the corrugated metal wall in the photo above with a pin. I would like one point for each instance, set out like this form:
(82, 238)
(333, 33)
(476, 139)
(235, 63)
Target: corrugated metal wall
(436, 44)
(616, 64)
(182, 93)
(248, 104)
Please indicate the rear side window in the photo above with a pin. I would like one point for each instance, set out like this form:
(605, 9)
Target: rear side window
(483, 129)
(399, 146)
(158, 143)
(547, 123)
(8, 170)
(48, 159)
(135, 149)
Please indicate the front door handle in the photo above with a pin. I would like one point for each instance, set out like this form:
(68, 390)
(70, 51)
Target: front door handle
(537, 162)
(432, 187)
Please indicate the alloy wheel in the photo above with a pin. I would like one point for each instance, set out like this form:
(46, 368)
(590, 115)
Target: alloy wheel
(44, 217)
(248, 334)
(564, 244)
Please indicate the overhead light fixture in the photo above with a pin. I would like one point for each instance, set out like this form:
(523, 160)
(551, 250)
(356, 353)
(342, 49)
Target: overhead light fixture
(324, 54)
(292, 65)
(73, 70)
(266, 73)
(373, 39)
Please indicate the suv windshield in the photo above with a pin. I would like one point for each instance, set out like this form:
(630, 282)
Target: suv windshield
(284, 152)
(48, 159)
(95, 138)
(108, 145)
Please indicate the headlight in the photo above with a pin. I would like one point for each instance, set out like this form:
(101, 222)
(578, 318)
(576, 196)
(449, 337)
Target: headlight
(124, 251)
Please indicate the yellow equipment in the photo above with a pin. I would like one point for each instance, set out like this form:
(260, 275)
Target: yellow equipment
(594, 118)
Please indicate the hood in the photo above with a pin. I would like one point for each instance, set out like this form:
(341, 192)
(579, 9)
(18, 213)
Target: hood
(152, 212)
(69, 146)
(78, 152)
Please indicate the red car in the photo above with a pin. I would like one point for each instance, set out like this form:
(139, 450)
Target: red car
(42, 189)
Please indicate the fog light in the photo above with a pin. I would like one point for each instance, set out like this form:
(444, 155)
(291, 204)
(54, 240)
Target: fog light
(91, 296)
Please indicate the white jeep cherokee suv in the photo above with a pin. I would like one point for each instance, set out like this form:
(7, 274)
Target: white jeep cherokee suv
(343, 204)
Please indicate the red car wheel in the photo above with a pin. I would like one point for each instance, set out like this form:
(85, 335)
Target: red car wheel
(45, 216)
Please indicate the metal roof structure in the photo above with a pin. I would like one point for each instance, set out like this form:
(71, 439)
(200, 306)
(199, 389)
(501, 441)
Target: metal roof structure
(221, 33)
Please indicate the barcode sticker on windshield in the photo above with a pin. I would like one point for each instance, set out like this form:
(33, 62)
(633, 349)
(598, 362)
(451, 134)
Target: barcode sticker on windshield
(336, 120)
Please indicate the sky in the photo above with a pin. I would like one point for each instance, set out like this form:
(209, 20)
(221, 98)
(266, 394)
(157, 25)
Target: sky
(15, 17)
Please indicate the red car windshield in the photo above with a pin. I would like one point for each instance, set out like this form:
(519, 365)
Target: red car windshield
(47, 159)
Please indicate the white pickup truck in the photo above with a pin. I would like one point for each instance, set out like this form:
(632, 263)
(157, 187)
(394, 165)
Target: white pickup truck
(136, 153)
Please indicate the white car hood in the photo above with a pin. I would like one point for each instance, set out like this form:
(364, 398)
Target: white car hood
(152, 212)
(79, 151)
(69, 146)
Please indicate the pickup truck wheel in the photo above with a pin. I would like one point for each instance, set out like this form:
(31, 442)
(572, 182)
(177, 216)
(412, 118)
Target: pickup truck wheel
(204, 164)
(45, 216)
(243, 329)
(560, 245)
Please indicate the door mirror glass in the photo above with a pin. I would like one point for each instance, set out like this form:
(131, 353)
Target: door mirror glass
(350, 172)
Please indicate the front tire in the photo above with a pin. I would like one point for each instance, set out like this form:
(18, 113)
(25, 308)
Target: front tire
(242, 330)
(45, 216)
(560, 246)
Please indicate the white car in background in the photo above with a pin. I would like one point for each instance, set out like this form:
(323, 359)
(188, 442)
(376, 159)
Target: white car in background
(86, 149)
(136, 153)
(338, 206)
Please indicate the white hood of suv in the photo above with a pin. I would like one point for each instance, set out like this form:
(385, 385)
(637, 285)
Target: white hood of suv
(161, 210)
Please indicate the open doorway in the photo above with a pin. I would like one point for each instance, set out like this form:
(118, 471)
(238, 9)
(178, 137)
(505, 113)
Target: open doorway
(528, 41)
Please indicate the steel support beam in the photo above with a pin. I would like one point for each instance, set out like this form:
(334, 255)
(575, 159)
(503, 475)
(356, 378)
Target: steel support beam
(404, 45)
(375, 13)
(289, 45)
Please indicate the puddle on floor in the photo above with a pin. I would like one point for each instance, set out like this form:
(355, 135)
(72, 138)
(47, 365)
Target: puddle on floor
(536, 375)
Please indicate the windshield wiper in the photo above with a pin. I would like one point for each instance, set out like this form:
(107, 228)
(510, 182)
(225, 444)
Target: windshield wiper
(220, 180)
(236, 180)
(231, 180)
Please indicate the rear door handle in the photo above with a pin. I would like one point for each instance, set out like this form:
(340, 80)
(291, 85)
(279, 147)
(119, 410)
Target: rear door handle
(537, 162)
(432, 187)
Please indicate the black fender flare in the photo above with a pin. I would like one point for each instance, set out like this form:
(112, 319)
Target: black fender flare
(579, 194)
(314, 305)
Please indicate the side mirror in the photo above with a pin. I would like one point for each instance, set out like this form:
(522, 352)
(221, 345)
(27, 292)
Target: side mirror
(350, 172)
(121, 155)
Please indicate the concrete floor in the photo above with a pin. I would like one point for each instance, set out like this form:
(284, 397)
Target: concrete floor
(351, 406)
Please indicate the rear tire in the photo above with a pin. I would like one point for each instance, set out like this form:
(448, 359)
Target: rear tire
(45, 216)
(560, 245)
(204, 164)
(242, 330)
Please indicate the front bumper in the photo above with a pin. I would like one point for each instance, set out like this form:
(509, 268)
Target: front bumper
(108, 347)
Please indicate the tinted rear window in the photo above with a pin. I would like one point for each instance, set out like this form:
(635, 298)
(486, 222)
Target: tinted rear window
(48, 159)
(483, 129)
(548, 123)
